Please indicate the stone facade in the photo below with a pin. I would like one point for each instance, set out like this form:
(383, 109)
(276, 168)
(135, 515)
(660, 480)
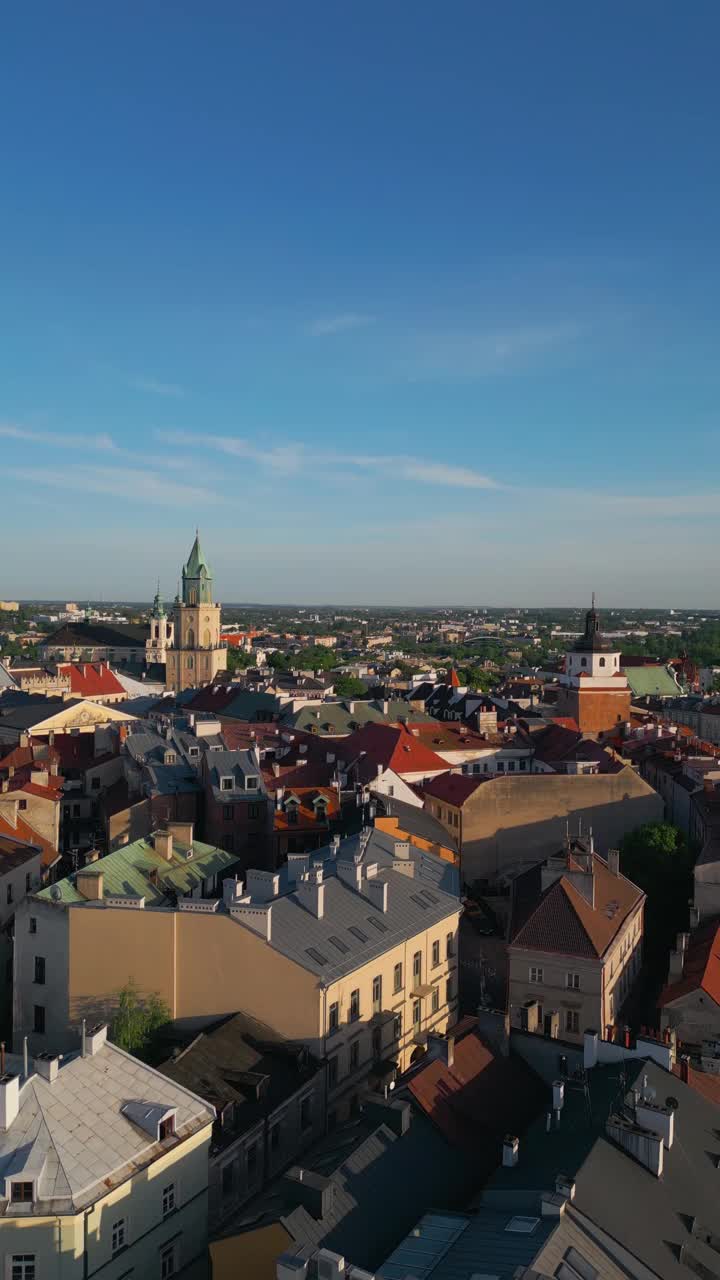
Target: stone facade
(196, 654)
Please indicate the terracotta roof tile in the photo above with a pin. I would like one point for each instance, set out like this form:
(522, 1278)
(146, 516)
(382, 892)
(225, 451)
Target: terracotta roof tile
(91, 679)
(562, 920)
(453, 788)
(393, 747)
(702, 967)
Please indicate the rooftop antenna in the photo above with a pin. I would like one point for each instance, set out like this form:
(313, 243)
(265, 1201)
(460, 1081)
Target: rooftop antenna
(593, 599)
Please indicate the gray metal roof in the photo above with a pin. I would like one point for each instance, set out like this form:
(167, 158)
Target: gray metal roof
(353, 929)
(449, 1246)
(72, 1135)
(239, 766)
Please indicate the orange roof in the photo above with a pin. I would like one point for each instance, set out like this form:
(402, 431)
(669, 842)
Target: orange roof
(91, 679)
(702, 967)
(453, 678)
(23, 831)
(306, 815)
(562, 920)
(393, 747)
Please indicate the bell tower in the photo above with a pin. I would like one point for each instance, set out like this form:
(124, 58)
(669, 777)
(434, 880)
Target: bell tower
(196, 654)
(161, 632)
(593, 689)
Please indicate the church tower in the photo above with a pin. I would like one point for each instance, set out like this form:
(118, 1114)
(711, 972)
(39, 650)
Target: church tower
(593, 689)
(196, 655)
(162, 631)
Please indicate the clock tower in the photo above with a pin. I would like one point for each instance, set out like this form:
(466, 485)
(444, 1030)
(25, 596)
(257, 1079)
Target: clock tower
(196, 655)
(593, 689)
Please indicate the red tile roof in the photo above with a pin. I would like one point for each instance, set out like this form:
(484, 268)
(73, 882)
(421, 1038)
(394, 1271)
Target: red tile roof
(479, 1097)
(23, 831)
(562, 920)
(705, 1083)
(91, 679)
(306, 816)
(453, 788)
(393, 747)
(702, 967)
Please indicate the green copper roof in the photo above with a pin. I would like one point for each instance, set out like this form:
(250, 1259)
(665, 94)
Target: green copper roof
(126, 872)
(654, 682)
(197, 565)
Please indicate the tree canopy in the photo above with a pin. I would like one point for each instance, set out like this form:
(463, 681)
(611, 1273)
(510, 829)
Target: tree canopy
(137, 1020)
(657, 858)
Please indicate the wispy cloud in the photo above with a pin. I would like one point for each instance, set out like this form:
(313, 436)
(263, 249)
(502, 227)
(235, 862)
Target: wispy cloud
(340, 323)
(58, 439)
(425, 471)
(471, 354)
(281, 458)
(119, 482)
(157, 388)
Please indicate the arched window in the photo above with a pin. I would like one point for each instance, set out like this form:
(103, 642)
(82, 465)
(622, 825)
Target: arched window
(207, 639)
(190, 638)
(583, 662)
(190, 663)
(602, 662)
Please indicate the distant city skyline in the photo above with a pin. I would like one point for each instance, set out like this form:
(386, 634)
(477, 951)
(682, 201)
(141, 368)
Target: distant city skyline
(400, 306)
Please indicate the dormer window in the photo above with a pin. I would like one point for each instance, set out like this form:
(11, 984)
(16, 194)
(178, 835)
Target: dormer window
(291, 810)
(21, 1192)
(194, 752)
(251, 783)
(166, 1128)
(226, 784)
(170, 757)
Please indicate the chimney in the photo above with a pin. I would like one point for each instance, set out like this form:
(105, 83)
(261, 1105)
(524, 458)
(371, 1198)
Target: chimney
(613, 861)
(232, 890)
(47, 1065)
(565, 1186)
(590, 1049)
(297, 865)
(163, 845)
(657, 1119)
(350, 873)
(259, 918)
(262, 886)
(9, 1099)
(441, 1048)
(510, 1151)
(90, 884)
(311, 892)
(677, 964)
(311, 1190)
(182, 831)
(639, 1143)
(376, 891)
(95, 1038)
(401, 849)
(685, 1069)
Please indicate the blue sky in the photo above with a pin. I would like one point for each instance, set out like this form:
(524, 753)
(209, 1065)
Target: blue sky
(402, 302)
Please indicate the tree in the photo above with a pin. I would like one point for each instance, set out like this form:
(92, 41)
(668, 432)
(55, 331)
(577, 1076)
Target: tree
(350, 687)
(657, 858)
(238, 660)
(137, 1020)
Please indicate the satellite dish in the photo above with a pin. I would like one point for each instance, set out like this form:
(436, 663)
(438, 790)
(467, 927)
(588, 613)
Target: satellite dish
(672, 1103)
(55, 893)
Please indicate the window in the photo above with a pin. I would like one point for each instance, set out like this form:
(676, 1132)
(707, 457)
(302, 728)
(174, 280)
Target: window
(40, 970)
(333, 1017)
(354, 1005)
(291, 811)
(227, 813)
(32, 924)
(435, 999)
(572, 980)
(522, 766)
(166, 1129)
(572, 1020)
(253, 811)
(167, 1262)
(417, 966)
(583, 662)
(450, 945)
(306, 1113)
(22, 803)
(23, 1266)
(228, 1178)
(332, 1072)
(397, 978)
(417, 1013)
(377, 1042)
(28, 882)
(602, 662)
(39, 1019)
(226, 784)
(449, 992)
(251, 783)
(377, 994)
(9, 893)
(354, 1055)
(21, 1192)
(536, 973)
(118, 1236)
(501, 766)
(168, 1199)
(397, 1026)
(435, 954)
(252, 1161)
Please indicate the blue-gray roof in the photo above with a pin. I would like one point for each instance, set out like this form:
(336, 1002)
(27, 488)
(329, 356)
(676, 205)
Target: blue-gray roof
(454, 1246)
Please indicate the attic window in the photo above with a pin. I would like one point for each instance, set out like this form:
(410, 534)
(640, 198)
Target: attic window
(251, 783)
(21, 1192)
(521, 1225)
(166, 1128)
(194, 751)
(316, 955)
(357, 933)
(226, 784)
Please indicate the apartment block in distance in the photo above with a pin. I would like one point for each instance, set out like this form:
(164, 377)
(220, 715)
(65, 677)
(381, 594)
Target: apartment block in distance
(351, 950)
(104, 1167)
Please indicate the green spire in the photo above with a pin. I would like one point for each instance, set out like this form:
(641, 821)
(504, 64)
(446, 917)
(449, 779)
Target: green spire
(158, 606)
(197, 576)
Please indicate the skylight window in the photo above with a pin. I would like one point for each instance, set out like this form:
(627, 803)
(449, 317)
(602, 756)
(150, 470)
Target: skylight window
(521, 1225)
(377, 924)
(357, 933)
(316, 955)
(425, 893)
(420, 901)
(339, 944)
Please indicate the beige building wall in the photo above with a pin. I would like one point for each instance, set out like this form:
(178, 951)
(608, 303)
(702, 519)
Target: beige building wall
(197, 654)
(513, 822)
(695, 1017)
(58, 1243)
(604, 983)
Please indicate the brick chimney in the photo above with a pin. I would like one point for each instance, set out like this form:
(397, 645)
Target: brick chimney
(163, 844)
(90, 884)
